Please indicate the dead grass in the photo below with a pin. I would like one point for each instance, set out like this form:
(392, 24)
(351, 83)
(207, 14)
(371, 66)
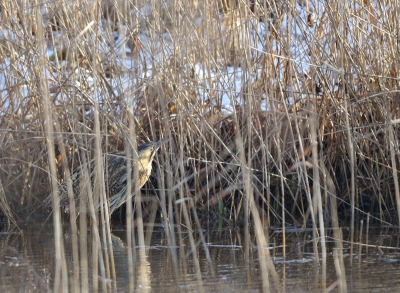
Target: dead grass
(260, 119)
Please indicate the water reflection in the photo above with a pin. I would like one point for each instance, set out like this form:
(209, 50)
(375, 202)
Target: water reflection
(27, 263)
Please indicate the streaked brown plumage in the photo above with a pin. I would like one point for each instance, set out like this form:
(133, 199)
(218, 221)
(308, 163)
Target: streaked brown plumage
(115, 175)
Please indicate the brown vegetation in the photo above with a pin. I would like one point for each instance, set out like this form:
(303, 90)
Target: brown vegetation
(312, 104)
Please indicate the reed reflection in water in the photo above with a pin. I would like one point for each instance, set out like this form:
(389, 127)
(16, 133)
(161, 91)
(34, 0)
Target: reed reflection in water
(27, 263)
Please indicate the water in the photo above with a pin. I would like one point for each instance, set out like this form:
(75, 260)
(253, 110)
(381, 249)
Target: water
(27, 263)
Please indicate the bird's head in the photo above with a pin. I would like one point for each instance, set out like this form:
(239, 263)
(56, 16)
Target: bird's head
(146, 152)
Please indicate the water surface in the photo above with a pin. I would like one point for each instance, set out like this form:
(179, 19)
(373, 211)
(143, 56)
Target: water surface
(27, 263)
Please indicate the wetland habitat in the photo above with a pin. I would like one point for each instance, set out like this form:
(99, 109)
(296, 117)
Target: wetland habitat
(277, 170)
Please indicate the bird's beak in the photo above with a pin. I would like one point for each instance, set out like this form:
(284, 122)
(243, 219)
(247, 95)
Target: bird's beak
(161, 142)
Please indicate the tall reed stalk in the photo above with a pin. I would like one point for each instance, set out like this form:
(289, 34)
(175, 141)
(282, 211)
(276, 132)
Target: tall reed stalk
(255, 97)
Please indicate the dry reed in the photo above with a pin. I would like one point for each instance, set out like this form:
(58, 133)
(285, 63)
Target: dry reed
(278, 114)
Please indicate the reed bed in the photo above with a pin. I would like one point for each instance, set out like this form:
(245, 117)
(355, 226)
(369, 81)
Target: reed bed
(278, 113)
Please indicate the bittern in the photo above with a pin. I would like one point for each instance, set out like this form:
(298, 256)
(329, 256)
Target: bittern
(115, 175)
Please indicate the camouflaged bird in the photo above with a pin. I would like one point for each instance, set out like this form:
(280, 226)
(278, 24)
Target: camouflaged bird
(115, 174)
